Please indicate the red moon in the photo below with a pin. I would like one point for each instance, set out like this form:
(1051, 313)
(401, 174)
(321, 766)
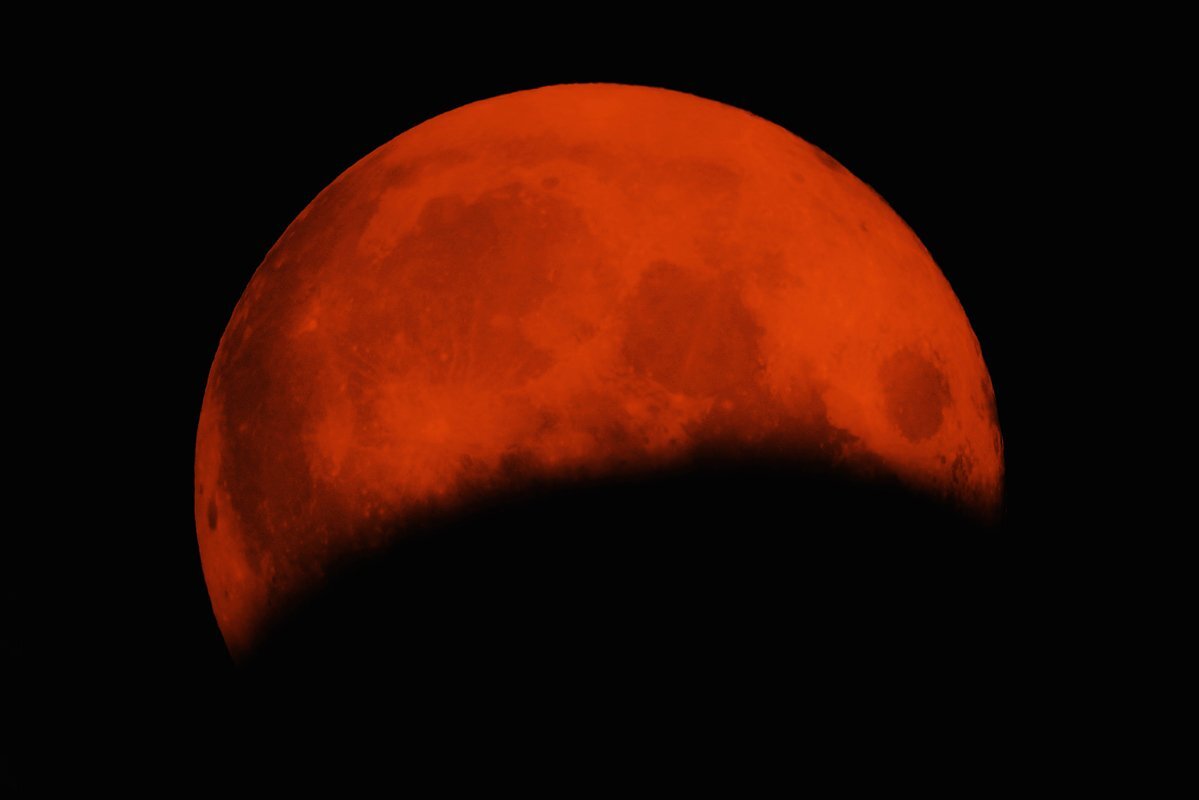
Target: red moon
(570, 280)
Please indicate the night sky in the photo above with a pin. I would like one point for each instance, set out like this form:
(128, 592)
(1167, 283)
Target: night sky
(213, 167)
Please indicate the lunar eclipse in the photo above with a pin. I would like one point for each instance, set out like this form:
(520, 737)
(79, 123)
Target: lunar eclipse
(575, 282)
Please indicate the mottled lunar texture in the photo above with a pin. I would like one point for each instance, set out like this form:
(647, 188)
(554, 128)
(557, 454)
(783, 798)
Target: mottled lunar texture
(571, 281)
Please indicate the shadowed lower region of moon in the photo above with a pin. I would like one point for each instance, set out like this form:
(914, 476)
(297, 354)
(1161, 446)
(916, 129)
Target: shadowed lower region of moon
(602, 297)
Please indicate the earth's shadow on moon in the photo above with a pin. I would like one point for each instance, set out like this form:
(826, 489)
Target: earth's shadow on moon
(725, 572)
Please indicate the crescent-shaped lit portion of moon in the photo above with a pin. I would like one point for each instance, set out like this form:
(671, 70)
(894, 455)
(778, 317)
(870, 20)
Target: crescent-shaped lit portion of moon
(571, 280)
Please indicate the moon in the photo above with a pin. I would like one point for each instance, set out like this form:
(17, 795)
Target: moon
(572, 280)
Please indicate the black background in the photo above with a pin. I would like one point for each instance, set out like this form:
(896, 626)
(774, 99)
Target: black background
(215, 162)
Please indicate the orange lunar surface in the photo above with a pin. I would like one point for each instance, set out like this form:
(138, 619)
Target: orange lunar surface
(573, 280)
